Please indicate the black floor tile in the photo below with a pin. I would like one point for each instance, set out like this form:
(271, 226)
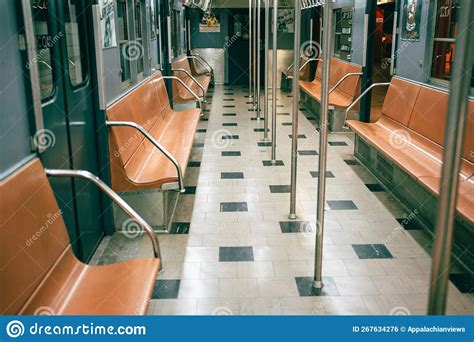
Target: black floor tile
(308, 153)
(305, 288)
(342, 205)
(231, 154)
(229, 124)
(166, 289)
(300, 136)
(230, 254)
(375, 187)
(201, 130)
(295, 227)
(409, 224)
(280, 189)
(204, 119)
(198, 145)
(228, 106)
(264, 144)
(315, 174)
(287, 124)
(180, 227)
(372, 251)
(230, 137)
(464, 282)
(232, 175)
(189, 190)
(229, 114)
(260, 130)
(276, 163)
(227, 99)
(234, 206)
(257, 119)
(337, 143)
(351, 162)
(280, 106)
(286, 114)
(228, 94)
(205, 111)
(194, 164)
(249, 102)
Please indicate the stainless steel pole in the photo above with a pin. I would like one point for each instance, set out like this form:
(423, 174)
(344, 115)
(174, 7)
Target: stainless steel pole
(258, 57)
(250, 50)
(254, 52)
(267, 38)
(453, 148)
(274, 79)
(296, 102)
(323, 143)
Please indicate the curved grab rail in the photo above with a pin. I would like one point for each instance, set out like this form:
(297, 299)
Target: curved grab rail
(372, 86)
(202, 61)
(156, 144)
(115, 198)
(343, 79)
(194, 80)
(302, 66)
(184, 85)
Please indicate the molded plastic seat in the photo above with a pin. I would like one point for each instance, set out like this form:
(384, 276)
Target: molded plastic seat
(180, 93)
(135, 162)
(39, 272)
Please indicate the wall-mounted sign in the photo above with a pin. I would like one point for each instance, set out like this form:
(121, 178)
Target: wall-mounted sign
(411, 19)
(209, 23)
(285, 20)
(107, 23)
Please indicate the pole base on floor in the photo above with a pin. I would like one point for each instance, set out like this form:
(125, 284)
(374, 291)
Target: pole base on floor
(292, 216)
(317, 286)
(266, 140)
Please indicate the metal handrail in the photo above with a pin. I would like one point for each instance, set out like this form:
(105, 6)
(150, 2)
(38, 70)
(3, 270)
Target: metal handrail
(202, 61)
(156, 144)
(372, 86)
(194, 80)
(115, 198)
(302, 66)
(185, 85)
(343, 79)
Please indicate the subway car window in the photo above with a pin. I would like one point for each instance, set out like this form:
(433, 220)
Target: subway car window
(123, 39)
(139, 36)
(44, 45)
(444, 37)
(76, 52)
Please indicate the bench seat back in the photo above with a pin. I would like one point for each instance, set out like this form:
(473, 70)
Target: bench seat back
(33, 236)
(350, 86)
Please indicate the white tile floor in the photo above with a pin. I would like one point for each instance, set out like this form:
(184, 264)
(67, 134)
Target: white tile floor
(267, 285)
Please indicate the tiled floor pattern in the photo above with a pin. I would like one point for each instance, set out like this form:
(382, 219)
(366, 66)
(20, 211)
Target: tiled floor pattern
(234, 251)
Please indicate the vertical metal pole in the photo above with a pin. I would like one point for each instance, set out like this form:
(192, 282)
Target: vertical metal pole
(254, 52)
(296, 101)
(323, 143)
(250, 50)
(274, 79)
(267, 38)
(453, 147)
(258, 57)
